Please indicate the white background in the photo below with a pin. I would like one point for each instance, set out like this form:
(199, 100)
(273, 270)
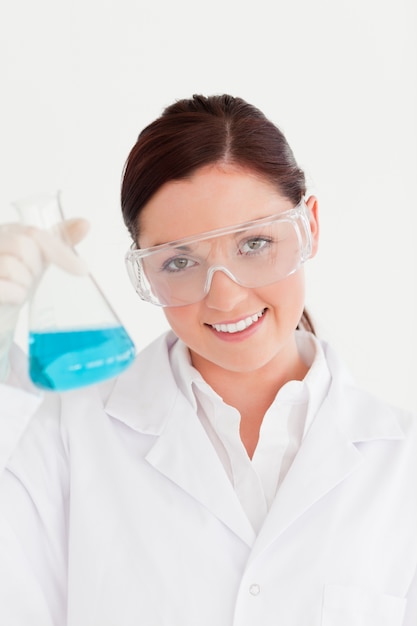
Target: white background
(81, 78)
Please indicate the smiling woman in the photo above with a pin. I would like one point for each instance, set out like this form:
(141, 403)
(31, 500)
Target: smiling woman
(221, 288)
(235, 466)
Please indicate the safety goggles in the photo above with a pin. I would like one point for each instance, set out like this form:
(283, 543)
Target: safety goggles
(252, 254)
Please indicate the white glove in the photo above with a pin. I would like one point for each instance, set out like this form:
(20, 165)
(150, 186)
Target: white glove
(25, 251)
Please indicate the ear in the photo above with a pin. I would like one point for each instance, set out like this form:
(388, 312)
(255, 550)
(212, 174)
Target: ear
(313, 207)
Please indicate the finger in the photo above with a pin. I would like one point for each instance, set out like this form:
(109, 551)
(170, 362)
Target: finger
(11, 293)
(17, 242)
(12, 269)
(35, 247)
(54, 250)
(9, 314)
(74, 230)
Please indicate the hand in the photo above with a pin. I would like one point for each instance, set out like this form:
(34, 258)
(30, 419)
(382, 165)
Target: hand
(24, 253)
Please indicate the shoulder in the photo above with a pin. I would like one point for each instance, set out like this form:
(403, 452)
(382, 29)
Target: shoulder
(49, 421)
(361, 411)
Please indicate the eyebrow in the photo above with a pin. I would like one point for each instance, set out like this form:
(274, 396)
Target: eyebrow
(171, 245)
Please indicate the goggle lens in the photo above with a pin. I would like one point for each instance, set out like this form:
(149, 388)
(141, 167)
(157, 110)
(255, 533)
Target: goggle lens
(254, 254)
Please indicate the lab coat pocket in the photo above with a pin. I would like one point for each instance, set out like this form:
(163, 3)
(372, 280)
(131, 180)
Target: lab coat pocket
(355, 606)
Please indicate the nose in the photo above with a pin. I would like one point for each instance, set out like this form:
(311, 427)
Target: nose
(224, 293)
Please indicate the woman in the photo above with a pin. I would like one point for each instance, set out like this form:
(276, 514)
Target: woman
(234, 475)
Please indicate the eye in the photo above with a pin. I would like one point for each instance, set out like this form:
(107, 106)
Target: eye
(254, 245)
(178, 264)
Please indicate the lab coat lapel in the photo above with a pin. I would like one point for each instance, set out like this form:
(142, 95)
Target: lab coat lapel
(324, 460)
(328, 454)
(185, 455)
(182, 450)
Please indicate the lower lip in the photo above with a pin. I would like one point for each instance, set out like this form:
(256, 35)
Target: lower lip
(241, 335)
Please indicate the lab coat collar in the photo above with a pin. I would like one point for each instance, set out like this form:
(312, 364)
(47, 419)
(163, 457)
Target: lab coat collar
(183, 452)
(139, 400)
(144, 396)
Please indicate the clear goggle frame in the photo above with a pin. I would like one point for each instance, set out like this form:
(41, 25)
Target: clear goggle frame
(252, 254)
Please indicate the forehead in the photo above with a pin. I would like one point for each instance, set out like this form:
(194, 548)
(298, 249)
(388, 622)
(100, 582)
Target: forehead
(214, 197)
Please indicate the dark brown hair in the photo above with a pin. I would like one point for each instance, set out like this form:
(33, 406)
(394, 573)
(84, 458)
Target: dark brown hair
(201, 131)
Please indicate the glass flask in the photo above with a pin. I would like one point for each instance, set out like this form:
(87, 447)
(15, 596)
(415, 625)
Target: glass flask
(75, 337)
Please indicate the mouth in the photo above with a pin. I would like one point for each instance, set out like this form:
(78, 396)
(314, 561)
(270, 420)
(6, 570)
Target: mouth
(239, 326)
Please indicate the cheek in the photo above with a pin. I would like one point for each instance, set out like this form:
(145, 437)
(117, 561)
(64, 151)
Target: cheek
(181, 319)
(286, 295)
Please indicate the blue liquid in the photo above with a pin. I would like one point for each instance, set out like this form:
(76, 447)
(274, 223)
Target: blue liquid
(64, 360)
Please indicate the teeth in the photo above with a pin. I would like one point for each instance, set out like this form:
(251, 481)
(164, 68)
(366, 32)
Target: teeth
(239, 326)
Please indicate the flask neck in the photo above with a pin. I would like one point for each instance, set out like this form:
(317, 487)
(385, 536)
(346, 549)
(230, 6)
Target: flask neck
(43, 211)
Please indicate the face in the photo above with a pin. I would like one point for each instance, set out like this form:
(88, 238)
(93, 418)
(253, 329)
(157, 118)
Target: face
(233, 328)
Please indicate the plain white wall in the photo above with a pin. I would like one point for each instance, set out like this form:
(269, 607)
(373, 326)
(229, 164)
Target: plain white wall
(80, 78)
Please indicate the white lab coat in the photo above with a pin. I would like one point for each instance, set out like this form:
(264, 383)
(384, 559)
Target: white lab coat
(115, 510)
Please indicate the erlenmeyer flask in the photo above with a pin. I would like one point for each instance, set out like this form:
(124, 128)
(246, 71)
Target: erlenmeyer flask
(75, 337)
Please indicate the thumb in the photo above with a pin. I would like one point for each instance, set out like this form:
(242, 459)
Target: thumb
(74, 230)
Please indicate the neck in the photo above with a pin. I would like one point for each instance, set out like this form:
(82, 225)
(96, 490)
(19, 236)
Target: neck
(252, 392)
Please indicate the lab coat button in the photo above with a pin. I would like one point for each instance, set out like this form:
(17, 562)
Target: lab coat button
(254, 590)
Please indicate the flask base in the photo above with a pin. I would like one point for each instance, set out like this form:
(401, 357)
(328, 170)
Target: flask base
(68, 359)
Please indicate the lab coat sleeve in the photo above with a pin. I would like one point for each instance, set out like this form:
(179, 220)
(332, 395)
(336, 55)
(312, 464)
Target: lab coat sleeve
(19, 400)
(17, 408)
(33, 513)
(21, 598)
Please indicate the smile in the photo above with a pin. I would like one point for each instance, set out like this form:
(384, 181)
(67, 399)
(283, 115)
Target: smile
(238, 326)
